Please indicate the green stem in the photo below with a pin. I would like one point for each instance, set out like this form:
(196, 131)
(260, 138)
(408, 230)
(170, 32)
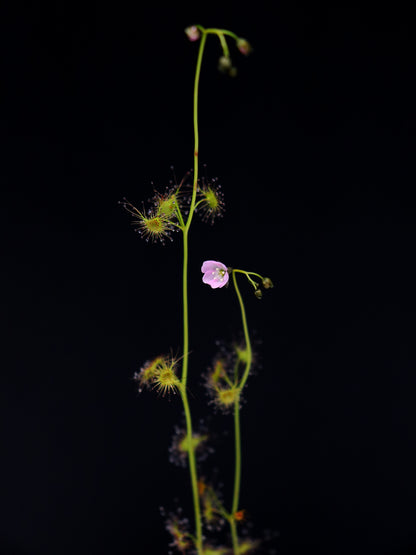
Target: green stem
(237, 474)
(184, 396)
(224, 45)
(196, 128)
(193, 473)
(248, 274)
(237, 428)
(185, 361)
(245, 329)
(218, 32)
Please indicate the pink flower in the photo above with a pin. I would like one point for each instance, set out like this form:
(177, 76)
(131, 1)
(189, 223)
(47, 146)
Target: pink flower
(215, 273)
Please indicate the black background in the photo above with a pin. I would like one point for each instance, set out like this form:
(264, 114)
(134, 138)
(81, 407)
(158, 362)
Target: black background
(313, 144)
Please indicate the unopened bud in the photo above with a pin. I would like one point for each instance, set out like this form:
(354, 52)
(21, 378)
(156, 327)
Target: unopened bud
(244, 46)
(267, 283)
(239, 515)
(258, 293)
(224, 64)
(192, 33)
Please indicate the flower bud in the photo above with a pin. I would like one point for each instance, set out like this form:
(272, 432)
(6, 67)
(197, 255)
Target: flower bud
(192, 33)
(267, 283)
(201, 487)
(258, 293)
(224, 64)
(239, 515)
(244, 46)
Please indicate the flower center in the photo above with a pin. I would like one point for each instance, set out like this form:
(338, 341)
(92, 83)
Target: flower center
(219, 274)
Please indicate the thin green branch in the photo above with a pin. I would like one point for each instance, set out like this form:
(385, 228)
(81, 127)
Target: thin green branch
(185, 362)
(237, 473)
(193, 473)
(196, 128)
(245, 329)
(237, 428)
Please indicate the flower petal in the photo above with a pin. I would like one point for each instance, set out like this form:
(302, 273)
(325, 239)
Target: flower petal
(225, 279)
(209, 266)
(208, 278)
(215, 284)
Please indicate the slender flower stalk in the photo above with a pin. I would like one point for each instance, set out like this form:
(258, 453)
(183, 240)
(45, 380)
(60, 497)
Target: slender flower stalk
(196, 127)
(245, 327)
(237, 428)
(185, 360)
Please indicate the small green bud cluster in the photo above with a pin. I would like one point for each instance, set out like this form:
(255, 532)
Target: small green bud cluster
(225, 64)
(194, 33)
(266, 283)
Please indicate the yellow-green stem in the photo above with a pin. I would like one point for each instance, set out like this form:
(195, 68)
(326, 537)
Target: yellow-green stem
(237, 473)
(193, 473)
(184, 396)
(237, 428)
(245, 329)
(196, 129)
(237, 477)
(185, 359)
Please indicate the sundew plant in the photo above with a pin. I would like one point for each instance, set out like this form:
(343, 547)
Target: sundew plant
(215, 526)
